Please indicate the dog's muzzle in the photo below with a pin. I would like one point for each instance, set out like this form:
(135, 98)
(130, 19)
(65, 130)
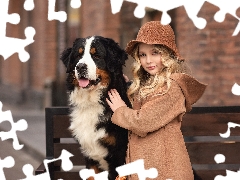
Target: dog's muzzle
(82, 76)
(81, 70)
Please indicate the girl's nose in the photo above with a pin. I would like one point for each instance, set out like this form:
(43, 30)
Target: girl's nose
(148, 59)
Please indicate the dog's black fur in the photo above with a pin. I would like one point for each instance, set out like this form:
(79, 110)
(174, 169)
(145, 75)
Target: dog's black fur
(109, 59)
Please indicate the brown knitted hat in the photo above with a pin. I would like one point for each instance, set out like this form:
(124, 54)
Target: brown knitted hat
(154, 32)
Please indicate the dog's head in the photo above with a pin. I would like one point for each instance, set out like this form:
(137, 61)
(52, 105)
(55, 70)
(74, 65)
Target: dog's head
(93, 61)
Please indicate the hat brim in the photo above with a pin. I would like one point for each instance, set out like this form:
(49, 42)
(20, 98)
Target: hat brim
(132, 45)
(154, 32)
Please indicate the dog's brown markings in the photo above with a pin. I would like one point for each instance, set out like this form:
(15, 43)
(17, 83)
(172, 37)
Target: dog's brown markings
(92, 50)
(91, 178)
(96, 170)
(110, 140)
(74, 79)
(80, 50)
(104, 76)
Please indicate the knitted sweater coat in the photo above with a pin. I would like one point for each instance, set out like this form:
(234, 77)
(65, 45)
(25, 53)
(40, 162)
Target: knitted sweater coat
(154, 128)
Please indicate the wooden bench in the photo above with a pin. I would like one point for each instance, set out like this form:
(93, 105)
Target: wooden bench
(58, 137)
(200, 127)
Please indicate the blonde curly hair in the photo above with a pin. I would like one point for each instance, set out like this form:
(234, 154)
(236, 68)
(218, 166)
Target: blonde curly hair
(144, 84)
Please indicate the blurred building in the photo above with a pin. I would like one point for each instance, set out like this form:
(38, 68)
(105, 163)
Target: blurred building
(213, 53)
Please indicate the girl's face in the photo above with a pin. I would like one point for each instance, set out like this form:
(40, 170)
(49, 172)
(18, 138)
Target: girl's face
(150, 58)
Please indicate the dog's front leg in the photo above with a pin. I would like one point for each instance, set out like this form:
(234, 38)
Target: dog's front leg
(91, 164)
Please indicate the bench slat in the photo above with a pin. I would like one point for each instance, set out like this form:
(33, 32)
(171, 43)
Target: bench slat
(204, 153)
(209, 124)
(216, 123)
(201, 121)
(66, 175)
(205, 174)
(60, 127)
(210, 174)
(77, 159)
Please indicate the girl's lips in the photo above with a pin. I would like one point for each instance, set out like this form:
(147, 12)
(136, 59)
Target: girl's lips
(151, 67)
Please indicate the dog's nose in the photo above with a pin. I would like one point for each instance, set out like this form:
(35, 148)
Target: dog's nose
(81, 67)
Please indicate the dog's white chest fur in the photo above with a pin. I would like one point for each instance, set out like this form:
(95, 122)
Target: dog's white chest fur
(84, 117)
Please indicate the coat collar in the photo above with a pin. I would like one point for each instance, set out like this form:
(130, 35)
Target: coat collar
(191, 88)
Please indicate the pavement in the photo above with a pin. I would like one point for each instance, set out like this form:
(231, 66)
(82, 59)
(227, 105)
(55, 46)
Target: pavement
(33, 139)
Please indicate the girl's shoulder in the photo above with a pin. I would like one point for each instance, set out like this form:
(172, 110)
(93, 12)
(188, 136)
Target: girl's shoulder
(187, 81)
(192, 89)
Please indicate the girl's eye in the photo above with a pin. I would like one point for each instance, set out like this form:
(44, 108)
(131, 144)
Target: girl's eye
(155, 52)
(141, 55)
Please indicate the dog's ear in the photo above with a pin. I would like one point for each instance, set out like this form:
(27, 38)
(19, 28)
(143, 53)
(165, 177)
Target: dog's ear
(66, 59)
(116, 56)
(65, 56)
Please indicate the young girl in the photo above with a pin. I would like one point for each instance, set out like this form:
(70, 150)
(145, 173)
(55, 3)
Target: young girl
(161, 93)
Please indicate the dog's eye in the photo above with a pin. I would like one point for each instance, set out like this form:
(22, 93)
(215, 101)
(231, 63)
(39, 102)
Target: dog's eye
(80, 52)
(79, 55)
(96, 56)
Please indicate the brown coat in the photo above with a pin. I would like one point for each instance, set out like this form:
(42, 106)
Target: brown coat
(154, 128)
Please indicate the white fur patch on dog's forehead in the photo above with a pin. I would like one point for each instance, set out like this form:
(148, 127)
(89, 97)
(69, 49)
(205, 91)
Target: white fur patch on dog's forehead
(88, 45)
(87, 59)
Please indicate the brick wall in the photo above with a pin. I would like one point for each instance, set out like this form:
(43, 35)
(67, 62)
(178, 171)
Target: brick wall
(22, 82)
(128, 31)
(13, 63)
(213, 54)
(11, 70)
(44, 49)
(97, 19)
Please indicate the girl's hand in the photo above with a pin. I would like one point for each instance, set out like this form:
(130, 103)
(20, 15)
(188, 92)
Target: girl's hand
(115, 100)
(125, 78)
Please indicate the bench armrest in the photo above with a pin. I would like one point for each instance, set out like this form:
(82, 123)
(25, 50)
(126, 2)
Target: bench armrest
(41, 169)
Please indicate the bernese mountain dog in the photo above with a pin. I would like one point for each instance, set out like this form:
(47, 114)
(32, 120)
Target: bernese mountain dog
(95, 65)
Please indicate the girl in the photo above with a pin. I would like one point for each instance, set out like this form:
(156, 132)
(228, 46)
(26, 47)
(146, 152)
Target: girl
(161, 93)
